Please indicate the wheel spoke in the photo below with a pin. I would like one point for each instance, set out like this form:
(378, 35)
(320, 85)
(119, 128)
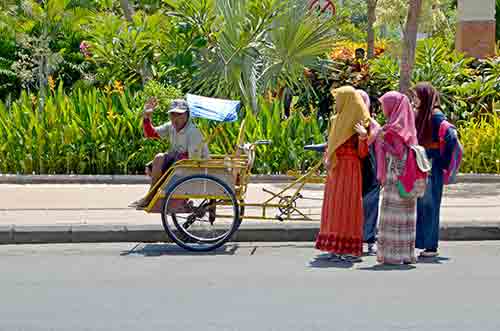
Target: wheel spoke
(198, 230)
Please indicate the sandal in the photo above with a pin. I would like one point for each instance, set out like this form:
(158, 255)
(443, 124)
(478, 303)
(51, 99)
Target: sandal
(371, 249)
(427, 253)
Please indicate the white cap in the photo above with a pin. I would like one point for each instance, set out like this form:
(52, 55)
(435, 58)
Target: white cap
(178, 106)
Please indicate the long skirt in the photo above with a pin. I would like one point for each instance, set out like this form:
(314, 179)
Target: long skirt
(428, 210)
(341, 229)
(396, 236)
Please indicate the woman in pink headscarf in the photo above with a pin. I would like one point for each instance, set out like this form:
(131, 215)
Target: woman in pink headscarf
(396, 237)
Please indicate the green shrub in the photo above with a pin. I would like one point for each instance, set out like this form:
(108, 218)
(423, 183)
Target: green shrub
(481, 139)
(468, 87)
(96, 131)
(86, 132)
(100, 132)
(288, 137)
(9, 81)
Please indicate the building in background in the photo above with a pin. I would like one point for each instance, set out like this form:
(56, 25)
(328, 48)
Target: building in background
(476, 27)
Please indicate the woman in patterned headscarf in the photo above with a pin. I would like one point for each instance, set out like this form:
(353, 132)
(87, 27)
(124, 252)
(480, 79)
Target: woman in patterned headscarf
(341, 230)
(396, 236)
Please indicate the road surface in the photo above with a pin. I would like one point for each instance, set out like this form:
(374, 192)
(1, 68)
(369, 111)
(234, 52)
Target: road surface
(245, 287)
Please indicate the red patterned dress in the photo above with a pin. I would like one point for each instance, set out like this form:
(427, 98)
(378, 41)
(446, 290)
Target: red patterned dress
(341, 230)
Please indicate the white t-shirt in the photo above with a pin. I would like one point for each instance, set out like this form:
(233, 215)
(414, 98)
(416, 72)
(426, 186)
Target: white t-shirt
(189, 140)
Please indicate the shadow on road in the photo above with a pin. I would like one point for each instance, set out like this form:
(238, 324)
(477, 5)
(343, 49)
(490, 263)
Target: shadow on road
(149, 250)
(323, 262)
(389, 267)
(433, 260)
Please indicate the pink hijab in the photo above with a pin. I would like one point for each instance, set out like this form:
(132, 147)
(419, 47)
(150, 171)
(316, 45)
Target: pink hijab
(374, 126)
(398, 134)
(365, 97)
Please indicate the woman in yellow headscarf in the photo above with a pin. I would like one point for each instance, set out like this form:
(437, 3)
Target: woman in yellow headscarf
(341, 230)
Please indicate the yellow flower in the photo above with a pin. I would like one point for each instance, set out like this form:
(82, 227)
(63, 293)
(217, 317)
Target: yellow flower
(118, 86)
(52, 84)
(107, 89)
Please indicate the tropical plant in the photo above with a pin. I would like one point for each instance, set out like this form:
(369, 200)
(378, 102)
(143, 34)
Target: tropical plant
(9, 82)
(346, 50)
(261, 44)
(188, 33)
(287, 135)
(351, 20)
(124, 50)
(38, 26)
(85, 132)
(393, 13)
(468, 86)
(481, 138)
(99, 132)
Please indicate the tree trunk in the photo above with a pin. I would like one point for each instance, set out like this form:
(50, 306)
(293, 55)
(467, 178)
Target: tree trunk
(372, 5)
(409, 44)
(128, 11)
(43, 48)
(42, 82)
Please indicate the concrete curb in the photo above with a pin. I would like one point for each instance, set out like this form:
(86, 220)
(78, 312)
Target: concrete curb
(140, 179)
(281, 232)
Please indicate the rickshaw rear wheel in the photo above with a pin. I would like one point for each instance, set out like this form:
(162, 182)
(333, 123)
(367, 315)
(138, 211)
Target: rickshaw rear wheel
(191, 224)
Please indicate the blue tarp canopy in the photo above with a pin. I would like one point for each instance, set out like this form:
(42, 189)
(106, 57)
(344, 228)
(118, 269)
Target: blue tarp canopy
(212, 108)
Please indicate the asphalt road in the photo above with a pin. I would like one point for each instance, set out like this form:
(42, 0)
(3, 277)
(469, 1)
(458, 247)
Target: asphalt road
(243, 287)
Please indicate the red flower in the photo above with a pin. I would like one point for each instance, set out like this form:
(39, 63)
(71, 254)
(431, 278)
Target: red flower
(85, 49)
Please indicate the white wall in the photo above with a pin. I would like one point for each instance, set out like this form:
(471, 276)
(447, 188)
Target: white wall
(476, 10)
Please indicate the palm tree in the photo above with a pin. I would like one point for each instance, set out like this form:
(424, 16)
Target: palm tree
(261, 44)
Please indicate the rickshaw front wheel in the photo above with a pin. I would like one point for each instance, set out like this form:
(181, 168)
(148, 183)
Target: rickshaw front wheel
(200, 212)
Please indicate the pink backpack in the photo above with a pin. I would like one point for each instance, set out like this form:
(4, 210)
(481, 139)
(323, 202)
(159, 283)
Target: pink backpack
(450, 174)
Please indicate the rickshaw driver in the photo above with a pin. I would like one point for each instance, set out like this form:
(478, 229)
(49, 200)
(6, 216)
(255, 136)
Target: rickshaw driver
(185, 138)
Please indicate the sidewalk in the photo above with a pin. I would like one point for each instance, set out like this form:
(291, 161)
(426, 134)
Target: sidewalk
(141, 179)
(98, 212)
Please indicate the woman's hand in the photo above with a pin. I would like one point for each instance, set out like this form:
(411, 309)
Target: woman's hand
(326, 162)
(361, 130)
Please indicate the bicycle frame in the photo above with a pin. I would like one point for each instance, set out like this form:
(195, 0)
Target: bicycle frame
(286, 204)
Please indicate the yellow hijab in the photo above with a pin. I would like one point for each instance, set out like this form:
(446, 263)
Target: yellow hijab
(351, 109)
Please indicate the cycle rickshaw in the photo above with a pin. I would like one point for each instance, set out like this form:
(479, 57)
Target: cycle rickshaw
(202, 202)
